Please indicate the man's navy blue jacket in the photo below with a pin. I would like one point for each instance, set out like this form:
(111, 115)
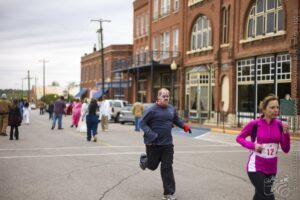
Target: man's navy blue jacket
(157, 123)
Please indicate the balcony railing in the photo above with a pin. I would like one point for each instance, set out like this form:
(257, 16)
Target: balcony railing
(147, 58)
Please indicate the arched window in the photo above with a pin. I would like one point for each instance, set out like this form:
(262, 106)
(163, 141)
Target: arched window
(201, 34)
(265, 17)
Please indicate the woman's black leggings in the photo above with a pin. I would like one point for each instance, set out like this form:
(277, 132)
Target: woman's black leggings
(263, 185)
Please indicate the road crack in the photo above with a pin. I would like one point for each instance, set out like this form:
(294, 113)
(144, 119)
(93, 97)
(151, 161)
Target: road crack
(116, 185)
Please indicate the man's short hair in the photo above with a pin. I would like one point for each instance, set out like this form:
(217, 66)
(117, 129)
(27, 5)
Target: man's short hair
(161, 90)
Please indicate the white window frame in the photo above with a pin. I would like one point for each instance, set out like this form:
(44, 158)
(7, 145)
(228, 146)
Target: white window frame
(142, 25)
(176, 5)
(147, 23)
(225, 25)
(154, 48)
(198, 34)
(137, 26)
(165, 7)
(253, 15)
(175, 42)
(164, 44)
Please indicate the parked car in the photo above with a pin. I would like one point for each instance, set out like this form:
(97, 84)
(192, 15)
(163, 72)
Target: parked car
(126, 114)
(116, 106)
(32, 106)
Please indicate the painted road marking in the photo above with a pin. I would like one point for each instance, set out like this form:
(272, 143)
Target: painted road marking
(122, 153)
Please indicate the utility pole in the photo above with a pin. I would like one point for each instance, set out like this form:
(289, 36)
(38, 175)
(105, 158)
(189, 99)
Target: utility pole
(44, 62)
(28, 92)
(35, 87)
(100, 40)
(22, 87)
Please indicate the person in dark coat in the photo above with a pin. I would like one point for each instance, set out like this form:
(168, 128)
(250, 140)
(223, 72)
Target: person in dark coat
(14, 120)
(92, 121)
(51, 110)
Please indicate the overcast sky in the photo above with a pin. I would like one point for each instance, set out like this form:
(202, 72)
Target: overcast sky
(59, 31)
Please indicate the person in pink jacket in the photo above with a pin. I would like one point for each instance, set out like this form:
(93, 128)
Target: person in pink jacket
(267, 133)
(76, 113)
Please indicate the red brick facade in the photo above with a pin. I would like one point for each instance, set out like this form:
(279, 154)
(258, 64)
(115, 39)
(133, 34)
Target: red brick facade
(91, 72)
(227, 52)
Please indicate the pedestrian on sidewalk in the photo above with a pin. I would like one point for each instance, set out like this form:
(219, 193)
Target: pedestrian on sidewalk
(76, 112)
(14, 120)
(157, 123)
(105, 112)
(42, 107)
(137, 111)
(5, 105)
(83, 112)
(26, 113)
(267, 133)
(92, 121)
(59, 110)
(51, 110)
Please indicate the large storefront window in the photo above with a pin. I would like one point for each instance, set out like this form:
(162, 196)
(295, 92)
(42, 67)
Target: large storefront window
(246, 101)
(265, 67)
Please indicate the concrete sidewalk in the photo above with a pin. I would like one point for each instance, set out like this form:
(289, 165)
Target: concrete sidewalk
(235, 130)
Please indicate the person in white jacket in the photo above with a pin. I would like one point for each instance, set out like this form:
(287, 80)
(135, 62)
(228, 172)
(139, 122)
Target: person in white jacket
(26, 113)
(105, 112)
(83, 112)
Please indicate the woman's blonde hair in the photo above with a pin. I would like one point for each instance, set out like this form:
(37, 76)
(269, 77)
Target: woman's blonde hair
(264, 103)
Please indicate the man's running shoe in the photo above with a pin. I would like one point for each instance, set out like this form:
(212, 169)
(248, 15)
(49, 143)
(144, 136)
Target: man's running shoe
(143, 161)
(169, 197)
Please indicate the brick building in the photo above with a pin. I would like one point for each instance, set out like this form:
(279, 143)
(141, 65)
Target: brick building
(229, 54)
(116, 85)
(219, 58)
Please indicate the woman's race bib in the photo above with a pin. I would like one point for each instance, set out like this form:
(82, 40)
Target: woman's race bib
(270, 150)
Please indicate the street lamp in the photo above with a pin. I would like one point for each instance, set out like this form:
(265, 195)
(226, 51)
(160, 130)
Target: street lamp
(173, 67)
(100, 40)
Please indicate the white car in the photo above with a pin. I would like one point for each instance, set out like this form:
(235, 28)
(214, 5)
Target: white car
(116, 106)
(32, 106)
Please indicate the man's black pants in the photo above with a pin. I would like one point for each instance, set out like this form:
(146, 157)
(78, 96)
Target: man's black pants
(163, 154)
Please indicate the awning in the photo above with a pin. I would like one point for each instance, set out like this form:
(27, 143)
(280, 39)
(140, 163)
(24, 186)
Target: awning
(98, 94)
(81, 92)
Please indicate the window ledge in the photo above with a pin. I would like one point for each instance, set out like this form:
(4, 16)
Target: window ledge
(280, 33)
(224, 45)
(162, 16)
(193, 2)
(141, 36)
(199, 50)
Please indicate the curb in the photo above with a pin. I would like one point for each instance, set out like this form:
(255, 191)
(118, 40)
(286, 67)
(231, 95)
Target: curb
(234, 132)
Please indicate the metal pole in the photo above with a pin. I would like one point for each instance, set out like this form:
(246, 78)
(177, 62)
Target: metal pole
(102, 57)
(275, 74)
(255, 87)
(100, 31)
(172, 87)
(22, 88)
(28, 92)
(44, 89)
(44, 77)
(35, 78)
(120, 86)
(152, 92)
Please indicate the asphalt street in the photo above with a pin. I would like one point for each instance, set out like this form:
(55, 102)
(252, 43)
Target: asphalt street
(47, 164)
